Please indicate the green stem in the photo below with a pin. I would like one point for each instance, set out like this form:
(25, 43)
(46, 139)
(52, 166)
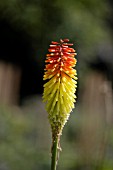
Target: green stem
(54, 157)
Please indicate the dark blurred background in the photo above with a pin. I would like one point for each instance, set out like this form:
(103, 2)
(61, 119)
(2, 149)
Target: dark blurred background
(26, 29)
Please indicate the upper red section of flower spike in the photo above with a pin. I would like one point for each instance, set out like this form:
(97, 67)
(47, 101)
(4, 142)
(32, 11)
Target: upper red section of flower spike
(61, 59)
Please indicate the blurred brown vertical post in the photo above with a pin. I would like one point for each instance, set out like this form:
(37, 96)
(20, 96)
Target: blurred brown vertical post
(10, 76)
(96, 119)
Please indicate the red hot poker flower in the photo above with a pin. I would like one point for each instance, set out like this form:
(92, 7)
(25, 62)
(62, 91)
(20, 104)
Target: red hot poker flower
(59, 91)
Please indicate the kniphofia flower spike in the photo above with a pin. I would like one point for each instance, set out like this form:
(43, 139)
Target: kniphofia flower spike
(59, 91)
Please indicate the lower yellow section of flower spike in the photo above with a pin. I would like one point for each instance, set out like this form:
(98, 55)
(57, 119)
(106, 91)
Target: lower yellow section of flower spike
(59, 93)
